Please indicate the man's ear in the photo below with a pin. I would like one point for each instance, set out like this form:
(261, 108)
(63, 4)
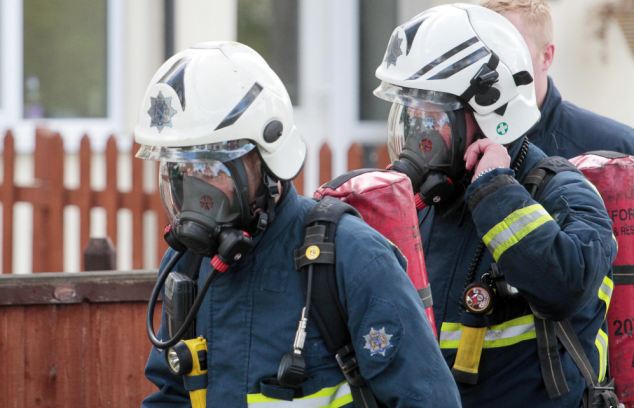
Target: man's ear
(549, 55)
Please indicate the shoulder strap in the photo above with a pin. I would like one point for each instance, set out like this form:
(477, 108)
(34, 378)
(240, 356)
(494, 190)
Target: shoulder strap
(547, 346)
(318, 252)
(608, 154)
(548, 332)
(338, 181)
(539, 176)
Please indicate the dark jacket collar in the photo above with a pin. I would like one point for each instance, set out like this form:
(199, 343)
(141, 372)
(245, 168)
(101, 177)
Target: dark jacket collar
(549, 110)
(286, 212)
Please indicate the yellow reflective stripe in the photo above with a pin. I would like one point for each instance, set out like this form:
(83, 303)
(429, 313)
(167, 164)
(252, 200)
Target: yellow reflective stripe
(605, 291)
(510, 219)
(514, 227)
(500, 335)
(330, 397)
(340, 402)
(601, 343)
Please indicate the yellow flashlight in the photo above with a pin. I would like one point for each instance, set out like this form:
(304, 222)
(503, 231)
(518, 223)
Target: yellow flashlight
(189, 358)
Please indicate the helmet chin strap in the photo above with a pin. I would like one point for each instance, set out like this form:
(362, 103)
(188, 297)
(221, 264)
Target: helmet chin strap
(267, 195)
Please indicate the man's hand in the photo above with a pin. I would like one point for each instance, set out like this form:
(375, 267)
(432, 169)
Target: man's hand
(485, 155)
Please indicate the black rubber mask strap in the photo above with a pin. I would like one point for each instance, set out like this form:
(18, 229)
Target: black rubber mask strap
(241, 183)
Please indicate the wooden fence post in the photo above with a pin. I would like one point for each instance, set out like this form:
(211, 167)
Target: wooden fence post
(100, 255)
(48, 210)
(8, 199)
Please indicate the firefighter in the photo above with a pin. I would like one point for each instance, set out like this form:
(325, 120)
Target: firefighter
(565, 129)
(220, 123)
(511, 274)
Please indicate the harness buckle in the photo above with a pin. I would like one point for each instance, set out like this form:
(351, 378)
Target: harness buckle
(349, 366)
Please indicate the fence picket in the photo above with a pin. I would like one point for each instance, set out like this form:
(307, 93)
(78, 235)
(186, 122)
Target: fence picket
(298, 182)
(382, 157)
(137, 210)
(325, 164)
(56, 204)
(111, 192)
(355, 156)
(48, 243)
(84, 196)
(162, 221)
(8, 200)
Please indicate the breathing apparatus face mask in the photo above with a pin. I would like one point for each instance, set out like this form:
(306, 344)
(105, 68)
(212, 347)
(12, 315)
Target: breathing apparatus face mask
(428, 144)
(205, 192)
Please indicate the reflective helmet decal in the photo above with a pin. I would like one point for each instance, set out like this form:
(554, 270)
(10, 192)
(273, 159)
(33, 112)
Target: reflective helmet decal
(444, 57)
(393, 50)
(161, 111)
(461, 64)
(411, 28)
(174, 77)
(242, 106)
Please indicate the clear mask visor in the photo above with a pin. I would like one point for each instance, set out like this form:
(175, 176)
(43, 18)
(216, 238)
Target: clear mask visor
(426, 133)
(205, 187)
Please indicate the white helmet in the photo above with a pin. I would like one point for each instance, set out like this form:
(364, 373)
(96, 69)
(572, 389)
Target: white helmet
(218, 92)
(456, 55)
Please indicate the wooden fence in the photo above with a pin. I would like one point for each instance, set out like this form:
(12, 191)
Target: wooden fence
(49, 197)
(74, 339)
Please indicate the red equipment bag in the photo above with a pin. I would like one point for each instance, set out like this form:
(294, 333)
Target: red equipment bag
(613, 175)
(385, 200)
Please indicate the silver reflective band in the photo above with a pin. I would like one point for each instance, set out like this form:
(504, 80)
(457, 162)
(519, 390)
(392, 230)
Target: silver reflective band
(500, 335)
(605, 291)
(514, 227)
(601, 343)
(331, 397)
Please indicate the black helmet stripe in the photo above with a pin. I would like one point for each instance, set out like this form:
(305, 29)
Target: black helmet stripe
(174, 77)
(241, 107)
(410, 32)
(444, 57)
(462, 64)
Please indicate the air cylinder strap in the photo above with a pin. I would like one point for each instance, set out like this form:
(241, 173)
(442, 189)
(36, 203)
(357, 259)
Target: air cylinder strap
(549, 361)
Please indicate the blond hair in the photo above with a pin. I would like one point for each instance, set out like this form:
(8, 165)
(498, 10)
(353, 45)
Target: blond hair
(536, 13)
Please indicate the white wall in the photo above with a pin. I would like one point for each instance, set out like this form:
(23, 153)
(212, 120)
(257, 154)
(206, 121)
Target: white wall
(579, 71)
(143, 23)
(204, 20)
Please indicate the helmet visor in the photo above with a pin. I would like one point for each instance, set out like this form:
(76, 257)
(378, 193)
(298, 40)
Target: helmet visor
(430, 101)
(206, 188)
(426, 133)
(222, 152)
